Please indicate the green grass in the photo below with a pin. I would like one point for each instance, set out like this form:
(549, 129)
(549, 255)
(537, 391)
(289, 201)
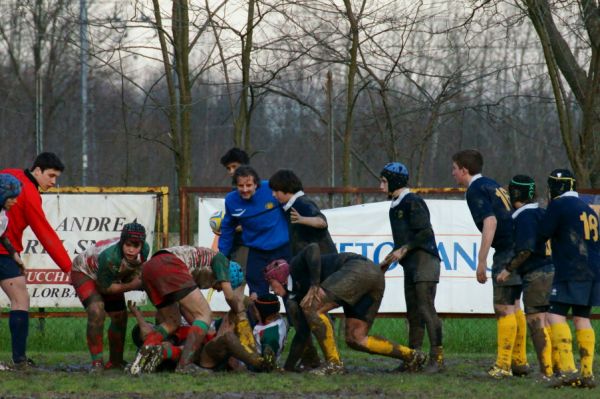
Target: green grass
(60, 349)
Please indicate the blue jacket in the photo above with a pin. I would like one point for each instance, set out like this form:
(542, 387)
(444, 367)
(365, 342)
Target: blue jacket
(262, 219)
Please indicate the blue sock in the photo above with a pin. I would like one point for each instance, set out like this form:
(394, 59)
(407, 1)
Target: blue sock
(18, 322)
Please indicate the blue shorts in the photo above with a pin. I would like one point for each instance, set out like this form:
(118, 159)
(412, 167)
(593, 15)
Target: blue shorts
(584, 293)
(257, 261)
(9, 268)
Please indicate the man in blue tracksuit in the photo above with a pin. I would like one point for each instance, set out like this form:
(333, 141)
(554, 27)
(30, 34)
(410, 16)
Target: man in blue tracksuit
(264, 227)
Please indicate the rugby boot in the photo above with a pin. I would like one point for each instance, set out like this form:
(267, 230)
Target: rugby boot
(97, 366)
(436, 361)
(416, 362)
(329, 368)
(24, 365)
(151, 358)
(587, 382)
(269, 360)
(520, 370)
(565, 379)
(499, 373)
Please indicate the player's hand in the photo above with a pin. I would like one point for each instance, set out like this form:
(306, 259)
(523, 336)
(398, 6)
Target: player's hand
(131, 305)
(311, 299)
(253, 297)
(19, 263)
(503, 276)
(481, 273)
(295, 217)
(399, 254)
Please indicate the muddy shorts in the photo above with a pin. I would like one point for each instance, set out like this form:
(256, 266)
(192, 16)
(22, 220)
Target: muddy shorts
(166, 279)
(537, 285)
(508, 292)
(88, 292)
(358, 287)
(421, 266)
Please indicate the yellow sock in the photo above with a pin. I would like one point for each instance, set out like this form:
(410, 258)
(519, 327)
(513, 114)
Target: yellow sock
(507, 329)
(586, 340)
(244, 332)
(562, 342)
(382, 346)
(327, 342)
(546, 355)
(519, 353)
(555, 354)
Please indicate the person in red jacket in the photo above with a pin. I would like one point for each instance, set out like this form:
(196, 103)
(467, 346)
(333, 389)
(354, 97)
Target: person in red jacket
(28, 211)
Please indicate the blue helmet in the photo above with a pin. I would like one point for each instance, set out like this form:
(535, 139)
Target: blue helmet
(10, 187)
(236, 274)
(396, 175)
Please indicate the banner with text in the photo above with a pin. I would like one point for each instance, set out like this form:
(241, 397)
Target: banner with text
(365, 229)
(80, 220)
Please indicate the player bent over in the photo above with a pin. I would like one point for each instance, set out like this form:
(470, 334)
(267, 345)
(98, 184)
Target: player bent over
(101, 275)
(533, 265)
(323, 283)
(173, 277)
(572, 227)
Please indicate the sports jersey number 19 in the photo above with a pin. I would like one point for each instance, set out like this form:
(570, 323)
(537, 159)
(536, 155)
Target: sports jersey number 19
(503, 195)
(590, 226)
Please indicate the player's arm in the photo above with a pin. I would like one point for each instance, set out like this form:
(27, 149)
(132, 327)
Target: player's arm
(514, 265)
(106, 281)
(420, 224)
(12, 252)
(487, 237)
(36, 218)
(317, 221)
(235, 301)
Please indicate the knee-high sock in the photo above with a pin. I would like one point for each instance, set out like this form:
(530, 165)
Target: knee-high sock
(543, 347)
(507, 330)
(95, 331)
(586, 340)
(562, 343)
(519, 353)
(18, 323)
(193, 342)
(555, 355)
(244, 332)
(382, 346)
(116, 339)
(323, 330)
(170, 351)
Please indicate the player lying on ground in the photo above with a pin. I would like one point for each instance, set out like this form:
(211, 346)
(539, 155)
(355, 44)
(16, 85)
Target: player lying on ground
(101, 275)
(173, 278)
(221, 350)
(323, 283)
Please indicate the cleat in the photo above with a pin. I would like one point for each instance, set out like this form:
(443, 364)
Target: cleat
(520, 370)
(416, 362)
(151, 358)
(498, 372)
(24, 365)
(134, 367)
(96, 367)
(436, 361)
(269, 362)
(588, 382)
(329, 369)
(568, 379)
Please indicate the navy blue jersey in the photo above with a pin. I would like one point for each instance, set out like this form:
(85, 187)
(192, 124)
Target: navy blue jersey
(302, 235)
(411, 225)
(525, 224)
(487, 198)
(572, 227)
(302, 263)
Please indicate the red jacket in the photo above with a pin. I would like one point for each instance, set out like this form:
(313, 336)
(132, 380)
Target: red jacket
(28, 212)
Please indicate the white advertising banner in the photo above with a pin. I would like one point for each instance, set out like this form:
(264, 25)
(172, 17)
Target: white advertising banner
(80, 220)
(365, 229)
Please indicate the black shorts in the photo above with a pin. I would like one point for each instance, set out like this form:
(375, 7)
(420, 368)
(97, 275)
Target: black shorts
(358, 286)
(507, 294)
(537, 285)
(9, 268)
(584, 293)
